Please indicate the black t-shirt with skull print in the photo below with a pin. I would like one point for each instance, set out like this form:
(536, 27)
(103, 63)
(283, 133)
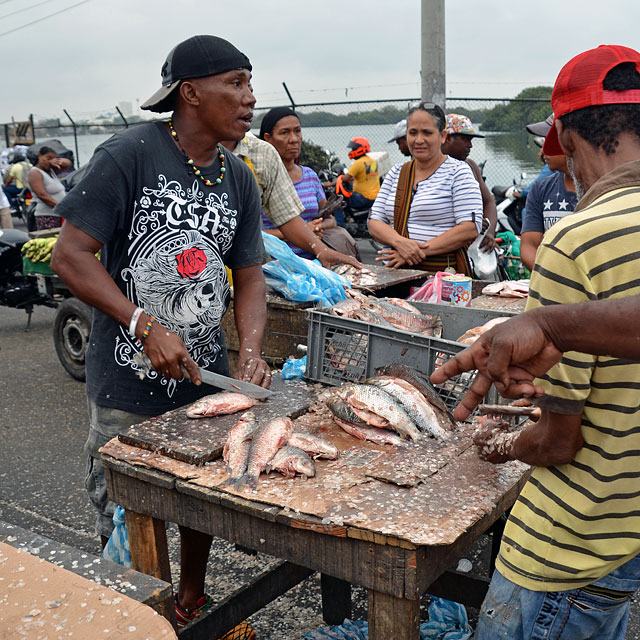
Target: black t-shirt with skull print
(167, 238)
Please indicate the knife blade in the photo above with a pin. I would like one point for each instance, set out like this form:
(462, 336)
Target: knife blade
(209, 377)
(233, 385)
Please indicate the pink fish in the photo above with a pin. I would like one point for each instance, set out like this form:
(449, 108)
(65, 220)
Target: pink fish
(219, 404)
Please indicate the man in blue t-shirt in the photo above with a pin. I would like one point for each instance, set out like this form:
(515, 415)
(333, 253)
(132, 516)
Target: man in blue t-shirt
(549, 200)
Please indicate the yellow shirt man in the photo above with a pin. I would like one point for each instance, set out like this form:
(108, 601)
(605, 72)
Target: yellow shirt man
(365, 177)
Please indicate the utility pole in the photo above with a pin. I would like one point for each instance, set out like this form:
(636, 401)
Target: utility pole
(433, 52)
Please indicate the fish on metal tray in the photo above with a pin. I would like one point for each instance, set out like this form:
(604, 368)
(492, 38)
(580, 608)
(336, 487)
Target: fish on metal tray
(264, 445)
(237, 446)
(422, 383)
(413, 402)
(290, 460)
(218, 404)
(315, 446)
(366, 400)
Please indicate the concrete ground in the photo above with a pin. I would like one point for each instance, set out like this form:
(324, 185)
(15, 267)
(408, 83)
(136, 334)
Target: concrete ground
(43, 423)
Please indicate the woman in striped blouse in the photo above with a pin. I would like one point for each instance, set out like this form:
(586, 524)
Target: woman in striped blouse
(428, 210)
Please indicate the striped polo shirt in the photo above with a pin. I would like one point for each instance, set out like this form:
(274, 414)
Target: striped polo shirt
(449, 196)
(575, 523)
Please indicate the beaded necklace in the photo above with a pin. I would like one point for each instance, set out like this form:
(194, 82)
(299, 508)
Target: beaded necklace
(192, 165)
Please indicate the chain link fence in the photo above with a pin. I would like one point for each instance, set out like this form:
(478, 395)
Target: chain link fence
(506, 152)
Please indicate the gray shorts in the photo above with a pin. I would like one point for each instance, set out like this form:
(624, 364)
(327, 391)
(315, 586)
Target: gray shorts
(104, 424)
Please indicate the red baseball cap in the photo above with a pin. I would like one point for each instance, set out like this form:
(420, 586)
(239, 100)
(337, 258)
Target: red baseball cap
(579, 85)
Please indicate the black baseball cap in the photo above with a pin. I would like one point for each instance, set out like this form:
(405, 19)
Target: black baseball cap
(197, 57)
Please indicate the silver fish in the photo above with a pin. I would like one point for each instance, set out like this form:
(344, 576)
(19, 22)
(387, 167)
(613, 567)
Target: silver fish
(366, 399)
(291, 460)
(344, 412)
(373, 434)
(264, 445)
(413, 402)
(313, 445)
(406, 320)
(236, 449)
(422, 383)
(219, 404)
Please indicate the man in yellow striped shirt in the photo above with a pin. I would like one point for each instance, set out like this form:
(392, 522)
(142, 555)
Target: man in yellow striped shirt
(569, 563)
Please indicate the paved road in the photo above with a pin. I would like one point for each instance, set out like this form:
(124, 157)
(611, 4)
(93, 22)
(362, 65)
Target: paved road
(42, 430)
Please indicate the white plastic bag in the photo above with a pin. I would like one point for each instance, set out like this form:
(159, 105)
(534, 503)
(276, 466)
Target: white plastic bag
(485, 265)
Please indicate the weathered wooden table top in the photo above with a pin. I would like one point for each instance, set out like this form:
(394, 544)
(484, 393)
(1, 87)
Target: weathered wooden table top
(419, 494)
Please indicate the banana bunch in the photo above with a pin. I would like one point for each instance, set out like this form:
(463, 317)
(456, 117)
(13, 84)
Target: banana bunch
(39, 249)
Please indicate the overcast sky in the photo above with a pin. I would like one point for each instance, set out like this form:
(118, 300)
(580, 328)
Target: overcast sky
(101, 52)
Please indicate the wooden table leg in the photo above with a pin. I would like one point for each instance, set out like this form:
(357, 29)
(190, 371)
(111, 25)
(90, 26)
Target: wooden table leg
(150, 554)
(392, 618)
(336, 599)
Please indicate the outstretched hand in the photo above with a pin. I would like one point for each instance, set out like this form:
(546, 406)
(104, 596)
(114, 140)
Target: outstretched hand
(511, 356)
(329, 257)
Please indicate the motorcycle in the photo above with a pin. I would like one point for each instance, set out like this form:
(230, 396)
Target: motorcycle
(353, 219)
(21, 208)
(20, 290)
(509, 207)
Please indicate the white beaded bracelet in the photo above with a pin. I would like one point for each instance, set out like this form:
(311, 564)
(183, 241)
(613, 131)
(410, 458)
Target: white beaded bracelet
(134, 321)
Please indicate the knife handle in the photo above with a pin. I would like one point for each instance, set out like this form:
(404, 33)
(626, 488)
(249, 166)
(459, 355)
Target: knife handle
(185, 373)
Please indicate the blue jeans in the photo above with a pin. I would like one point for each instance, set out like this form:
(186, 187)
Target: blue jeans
(358, 201)
(515, 613)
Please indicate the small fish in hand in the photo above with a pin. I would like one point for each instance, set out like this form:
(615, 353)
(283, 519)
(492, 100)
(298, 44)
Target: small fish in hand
(218, 404)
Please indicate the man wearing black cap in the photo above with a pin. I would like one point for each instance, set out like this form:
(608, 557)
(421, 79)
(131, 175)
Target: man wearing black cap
(168, 208)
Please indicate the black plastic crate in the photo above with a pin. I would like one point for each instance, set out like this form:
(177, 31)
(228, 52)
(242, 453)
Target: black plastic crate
(341, 350)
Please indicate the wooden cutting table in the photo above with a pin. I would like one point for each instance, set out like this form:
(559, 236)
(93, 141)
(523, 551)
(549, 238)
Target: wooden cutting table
(392, 520)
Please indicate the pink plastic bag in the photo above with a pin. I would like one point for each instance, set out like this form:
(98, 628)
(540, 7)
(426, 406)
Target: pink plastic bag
(431, 290)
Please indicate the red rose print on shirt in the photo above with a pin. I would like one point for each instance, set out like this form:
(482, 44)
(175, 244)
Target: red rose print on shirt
(191, 262)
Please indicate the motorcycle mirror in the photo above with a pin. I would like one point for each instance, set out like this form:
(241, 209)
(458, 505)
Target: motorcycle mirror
(523, 175)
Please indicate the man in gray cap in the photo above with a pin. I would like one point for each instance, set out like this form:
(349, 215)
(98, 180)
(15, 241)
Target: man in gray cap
(400, 137)
(168, 208)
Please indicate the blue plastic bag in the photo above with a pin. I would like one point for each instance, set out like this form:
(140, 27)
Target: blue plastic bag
(299, 279)
(294, 368)
(117, 547)
(447, 621)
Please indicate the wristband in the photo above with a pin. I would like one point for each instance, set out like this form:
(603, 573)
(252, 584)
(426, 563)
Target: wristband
(145, 333)
(133, 323)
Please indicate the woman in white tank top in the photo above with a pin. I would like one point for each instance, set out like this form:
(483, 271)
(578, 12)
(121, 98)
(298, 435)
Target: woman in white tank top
(46, 188)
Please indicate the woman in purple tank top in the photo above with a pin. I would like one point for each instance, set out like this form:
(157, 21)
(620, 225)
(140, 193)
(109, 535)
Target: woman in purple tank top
(281, 128)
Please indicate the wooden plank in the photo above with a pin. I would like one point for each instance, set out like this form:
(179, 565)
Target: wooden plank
(246, 601)
(384, 568)
(336, 599)
(464, 588)
(200, 440)
(392, 618)
(139, 586)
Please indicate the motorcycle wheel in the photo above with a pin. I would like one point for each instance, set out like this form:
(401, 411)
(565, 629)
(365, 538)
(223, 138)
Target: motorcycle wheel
(71, 336)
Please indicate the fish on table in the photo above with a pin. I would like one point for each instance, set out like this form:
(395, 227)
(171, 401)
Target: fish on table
(422, 383)
(237, 446)
(315, 446)
(264, 445)
(413, 402)
(366, 400)
(221, 403)
(290, 461)
(344, 416)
